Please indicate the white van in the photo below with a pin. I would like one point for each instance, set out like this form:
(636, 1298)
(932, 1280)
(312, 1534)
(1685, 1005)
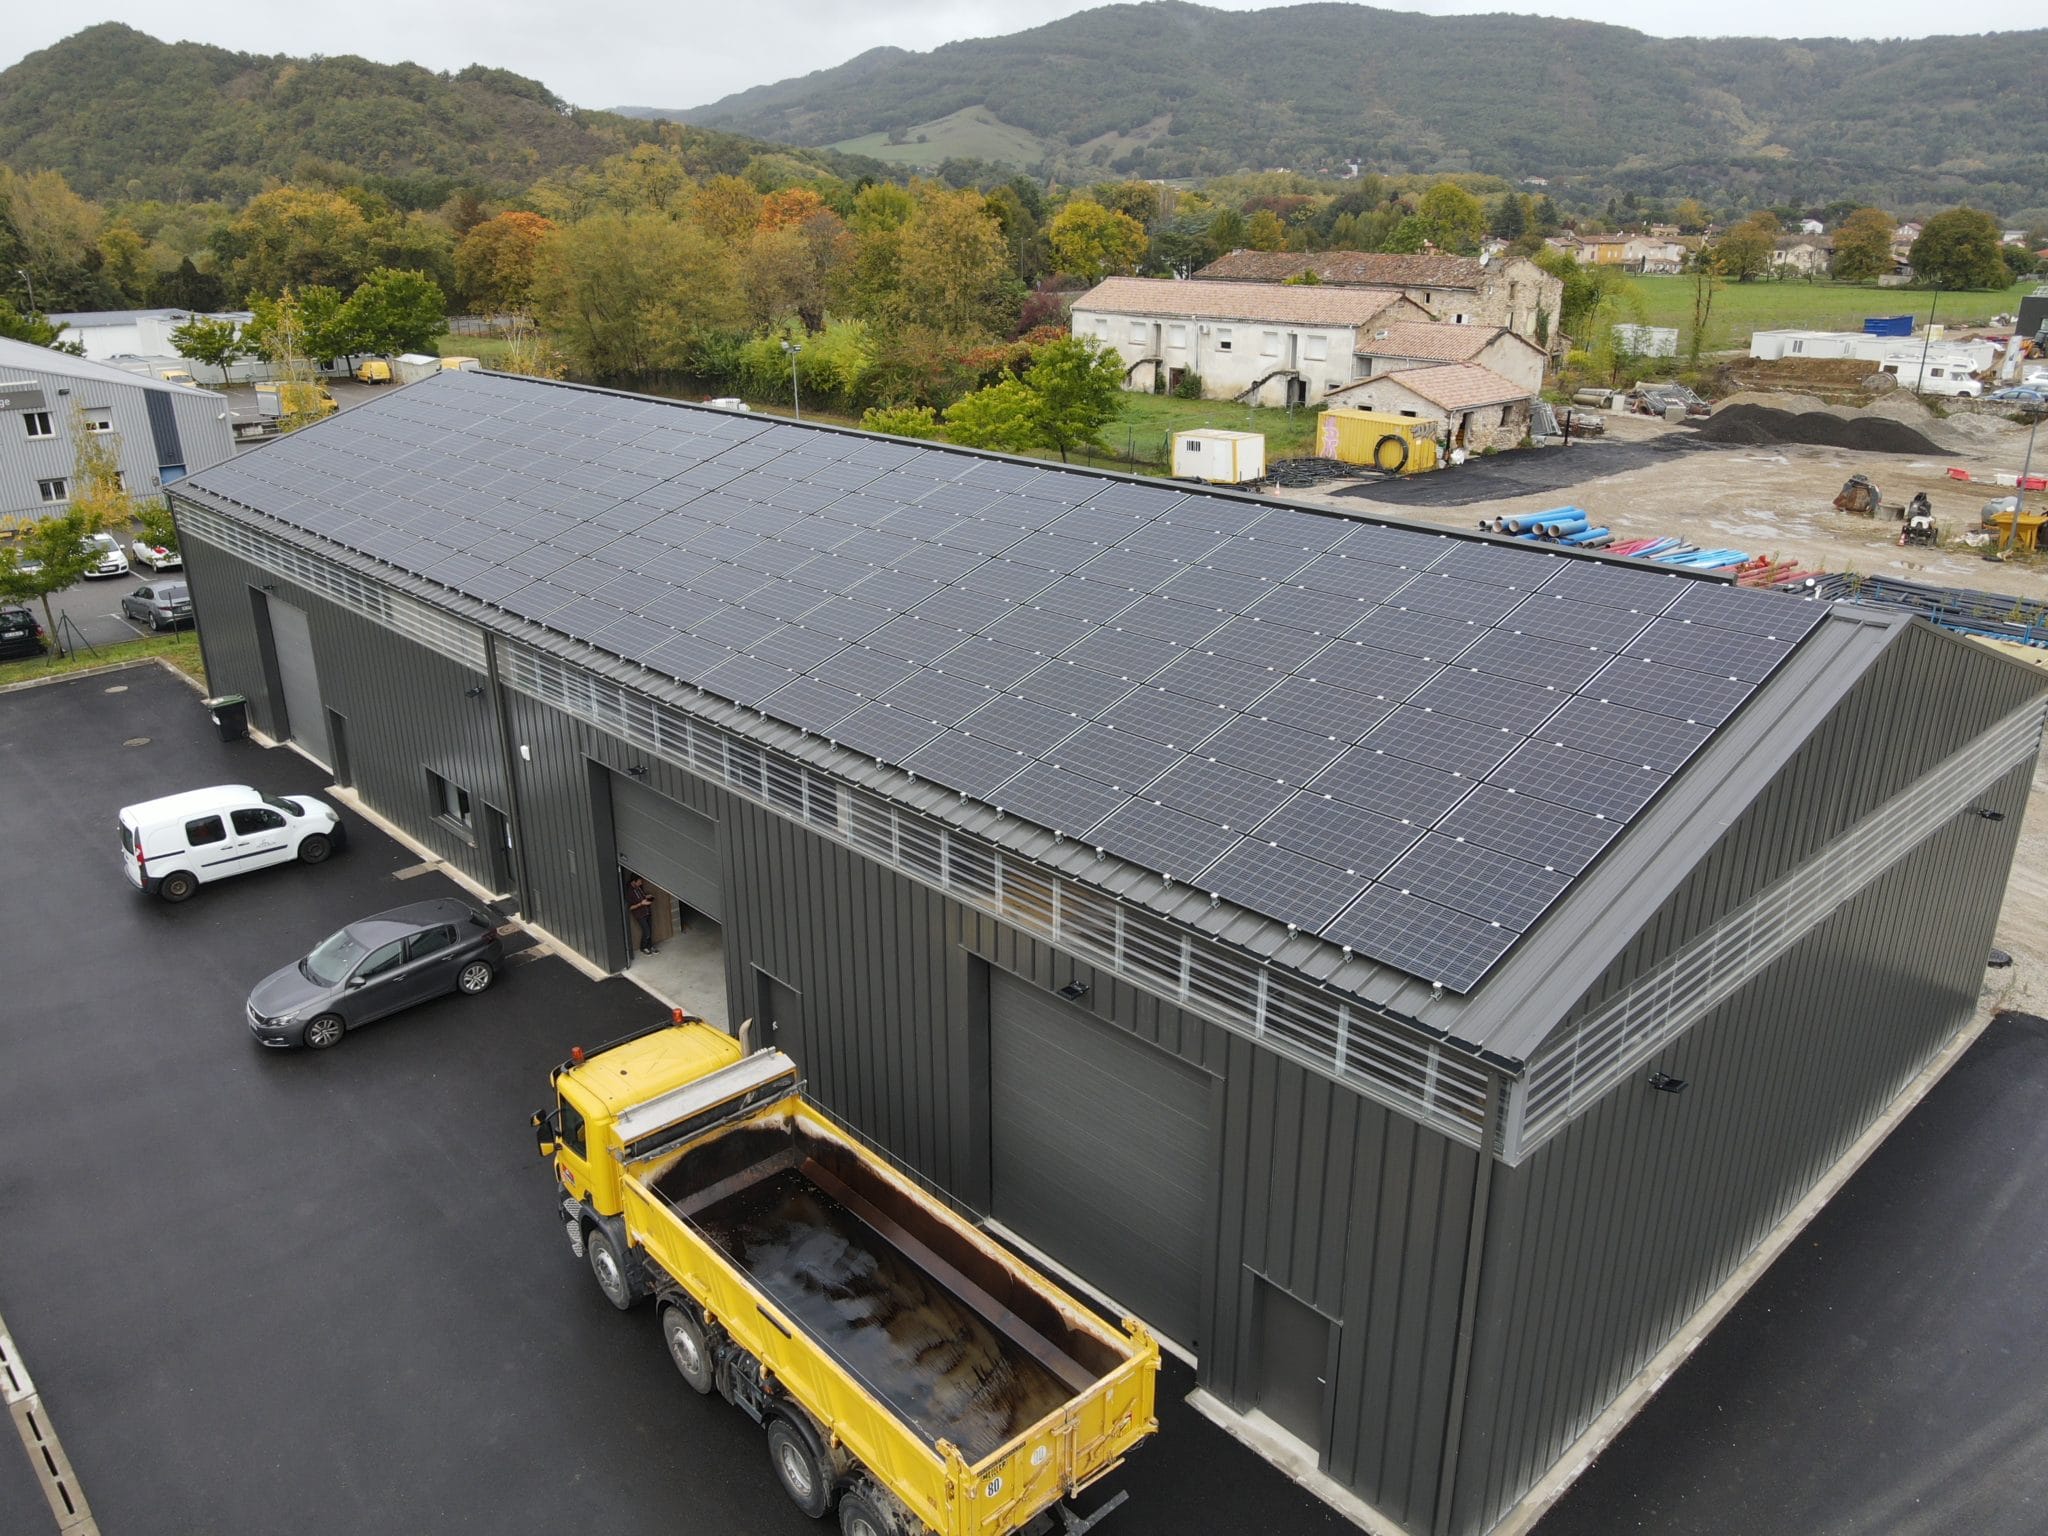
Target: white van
(172, 846)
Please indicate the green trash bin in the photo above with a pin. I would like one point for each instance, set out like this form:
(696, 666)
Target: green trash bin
(230, 715)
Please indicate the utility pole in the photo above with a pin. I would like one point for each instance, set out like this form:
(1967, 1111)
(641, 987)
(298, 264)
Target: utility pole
(796, 405)
(1920, 383)
(22, 273)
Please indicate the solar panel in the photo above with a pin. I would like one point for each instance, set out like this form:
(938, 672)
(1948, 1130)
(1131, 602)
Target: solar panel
(1059, 802)
(1281, 883)
(1437, 731)
(1117, 758)
(1579, 779)
(1173, 718)
(1477, 881)
(966, 763)
(1533, 829)
(1421, 937)
(1016, 722)
(1444, 741)
(1337, 833)
(1393, 786)
(1160, 838)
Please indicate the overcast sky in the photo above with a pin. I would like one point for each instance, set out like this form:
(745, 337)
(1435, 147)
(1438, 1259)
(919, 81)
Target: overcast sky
(660, 54)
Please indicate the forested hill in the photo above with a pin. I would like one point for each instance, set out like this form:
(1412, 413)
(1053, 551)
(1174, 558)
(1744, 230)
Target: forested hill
(1171, 89)
(124, 115)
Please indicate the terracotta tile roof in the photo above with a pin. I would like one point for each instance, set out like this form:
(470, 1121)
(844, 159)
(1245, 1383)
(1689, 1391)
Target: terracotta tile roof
(1250, 303)
(1376, 269)
(1453, 386)
(1432, 343)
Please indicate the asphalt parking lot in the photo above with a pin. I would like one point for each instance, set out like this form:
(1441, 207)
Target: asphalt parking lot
(278, 1291)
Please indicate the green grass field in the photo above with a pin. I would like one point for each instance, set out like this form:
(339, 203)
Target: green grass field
(1795, 304)
(973, 133)
(180, 648)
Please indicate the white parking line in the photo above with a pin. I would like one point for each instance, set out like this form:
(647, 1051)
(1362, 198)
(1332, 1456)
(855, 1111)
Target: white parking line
(45, 1452)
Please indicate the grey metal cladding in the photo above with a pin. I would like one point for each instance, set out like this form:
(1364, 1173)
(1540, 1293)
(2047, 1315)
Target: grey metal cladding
(1533, 829)
(1266, 877)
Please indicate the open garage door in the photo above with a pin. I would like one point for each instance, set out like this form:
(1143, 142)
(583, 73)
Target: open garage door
(305, 714)
(1101, 1153)
(670, 844)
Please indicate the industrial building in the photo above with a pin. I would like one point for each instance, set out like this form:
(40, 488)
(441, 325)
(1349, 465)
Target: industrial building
(1410, 970)
(166, 430)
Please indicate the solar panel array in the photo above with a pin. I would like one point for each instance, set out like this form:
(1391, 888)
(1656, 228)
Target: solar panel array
(1406, 742)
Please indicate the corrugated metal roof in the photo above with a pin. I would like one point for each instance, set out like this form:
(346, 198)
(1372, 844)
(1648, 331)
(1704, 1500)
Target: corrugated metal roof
(21, 354)
(1408, 741)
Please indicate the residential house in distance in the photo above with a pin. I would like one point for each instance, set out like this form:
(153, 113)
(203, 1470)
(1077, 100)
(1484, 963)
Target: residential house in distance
(1812, 227)
(1473, 408)
(167, 430)
(1266, 343)
(1632, 253)
(1513, 293)
(1402, 344)
(1801, 256)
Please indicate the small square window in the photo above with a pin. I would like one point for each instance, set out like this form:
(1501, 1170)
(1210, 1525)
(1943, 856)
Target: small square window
(38, 423)
(98, 419)
(55, 489)
(450, 800)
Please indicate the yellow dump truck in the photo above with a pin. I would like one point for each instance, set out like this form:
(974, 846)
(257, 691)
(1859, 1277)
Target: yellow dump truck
(907, 1369)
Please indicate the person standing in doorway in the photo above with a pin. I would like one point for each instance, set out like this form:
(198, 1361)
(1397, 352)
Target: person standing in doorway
(640, 905)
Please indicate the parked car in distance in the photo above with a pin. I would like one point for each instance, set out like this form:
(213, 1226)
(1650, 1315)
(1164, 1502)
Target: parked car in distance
(160, 604)
(20, 634)
(108, 559)
(173, 845)
(373, 370)
(2034, 395)
(373, 968)
(158, 557)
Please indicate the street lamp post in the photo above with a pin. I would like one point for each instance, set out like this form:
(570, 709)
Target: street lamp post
(796, 405)
(29, 282)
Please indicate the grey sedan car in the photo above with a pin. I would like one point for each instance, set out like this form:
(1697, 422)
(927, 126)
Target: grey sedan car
(160, 604)
(374, 967)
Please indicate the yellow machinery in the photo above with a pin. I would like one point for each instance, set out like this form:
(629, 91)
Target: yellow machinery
(1393, 445)
(931, 1384)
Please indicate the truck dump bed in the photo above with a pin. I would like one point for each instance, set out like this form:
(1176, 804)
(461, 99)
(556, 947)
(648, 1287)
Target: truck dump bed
(975, 1388)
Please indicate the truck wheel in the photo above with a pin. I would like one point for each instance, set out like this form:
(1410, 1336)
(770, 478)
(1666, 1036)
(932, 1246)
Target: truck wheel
(177, 886)
(798, 1468)
(860, 1516)
(686, 1346)
(610, 1270)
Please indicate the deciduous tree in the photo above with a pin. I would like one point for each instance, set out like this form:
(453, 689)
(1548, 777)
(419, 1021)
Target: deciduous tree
(1960, 249)
(394, 311)
(956, 263)
(1453, 219)
(1745, 251)
(216, 343)
(631, 295)
(1863, 246)
(494, 263)
(1091, 242)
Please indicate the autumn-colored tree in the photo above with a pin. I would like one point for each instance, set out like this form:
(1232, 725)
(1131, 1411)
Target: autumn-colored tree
(494, 263)
(1745, 251)
(727, 209)
(1092, 242)
(955, 264)
(124, 259)
(901, 420)
(294, 237)
(1960, 249)
(1139, 199)
(1690, 215)
(1863, 246)
(1263, 231)
(631, 295)
(790, 208)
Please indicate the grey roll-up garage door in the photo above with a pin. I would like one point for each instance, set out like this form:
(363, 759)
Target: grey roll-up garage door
(1101, 1153)
(670, 844)
(304, 713)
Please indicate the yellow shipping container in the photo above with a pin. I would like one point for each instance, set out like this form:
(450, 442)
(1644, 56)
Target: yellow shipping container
(1395, 445)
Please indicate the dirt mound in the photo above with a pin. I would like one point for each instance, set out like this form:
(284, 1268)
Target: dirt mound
(1772, 399)
(1767, 426)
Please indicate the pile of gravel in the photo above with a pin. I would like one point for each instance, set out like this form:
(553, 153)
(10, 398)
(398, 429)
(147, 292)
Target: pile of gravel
(1765, 426)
